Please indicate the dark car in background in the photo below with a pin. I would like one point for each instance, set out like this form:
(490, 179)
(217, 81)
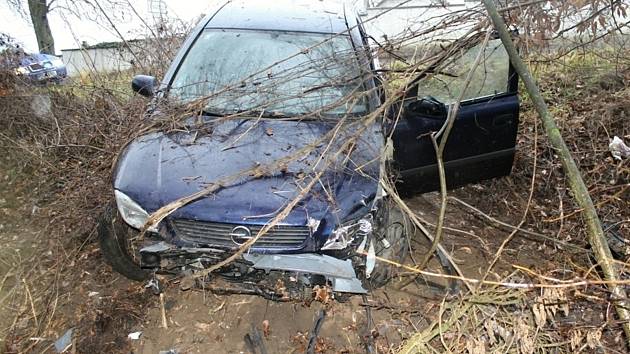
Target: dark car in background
(40, 68)
(295, 60)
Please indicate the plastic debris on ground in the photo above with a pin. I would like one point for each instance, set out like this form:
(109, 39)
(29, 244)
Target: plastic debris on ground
(619, 149)
(134, 335)
(64, 342)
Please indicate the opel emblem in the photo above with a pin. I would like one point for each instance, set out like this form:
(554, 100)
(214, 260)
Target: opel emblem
(240, 235)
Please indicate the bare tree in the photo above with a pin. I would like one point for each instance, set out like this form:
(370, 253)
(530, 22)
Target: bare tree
(38, 11)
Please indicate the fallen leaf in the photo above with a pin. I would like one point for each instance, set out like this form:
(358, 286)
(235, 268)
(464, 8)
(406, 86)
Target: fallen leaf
(322, 294)
(202, 326)
(265, 326)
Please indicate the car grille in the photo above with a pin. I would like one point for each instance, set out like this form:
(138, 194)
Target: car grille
(219, 234)
(36, 67)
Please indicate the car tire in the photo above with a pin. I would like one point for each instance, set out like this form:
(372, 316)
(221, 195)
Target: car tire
(396, 231)
(113, 235)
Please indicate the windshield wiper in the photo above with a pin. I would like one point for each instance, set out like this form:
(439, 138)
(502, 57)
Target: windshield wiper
(209, 113)
(262, 113)
(243, 112)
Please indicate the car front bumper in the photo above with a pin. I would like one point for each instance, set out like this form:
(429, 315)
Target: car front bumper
(46, 75)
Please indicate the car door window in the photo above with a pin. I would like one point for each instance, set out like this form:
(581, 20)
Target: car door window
(481, 144)
(490, 78)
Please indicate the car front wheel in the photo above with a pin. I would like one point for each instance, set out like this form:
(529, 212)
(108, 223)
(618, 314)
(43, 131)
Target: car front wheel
(390, 243)
(115, 240)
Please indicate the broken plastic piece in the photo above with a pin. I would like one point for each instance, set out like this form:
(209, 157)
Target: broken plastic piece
(134, 335)
(365, 226)
(370, 261)
(313, 224)
(340, 273)
(619, 149)
(64, 342)
(154, 285)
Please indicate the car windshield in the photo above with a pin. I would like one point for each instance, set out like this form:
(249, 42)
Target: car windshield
(272, 72)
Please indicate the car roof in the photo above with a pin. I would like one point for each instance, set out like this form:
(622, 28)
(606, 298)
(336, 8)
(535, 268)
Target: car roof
(282, 15)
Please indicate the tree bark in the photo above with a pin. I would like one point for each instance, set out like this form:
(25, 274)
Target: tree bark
(39, 17)
(595, 232)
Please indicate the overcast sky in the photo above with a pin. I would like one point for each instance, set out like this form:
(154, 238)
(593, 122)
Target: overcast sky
(69, 31)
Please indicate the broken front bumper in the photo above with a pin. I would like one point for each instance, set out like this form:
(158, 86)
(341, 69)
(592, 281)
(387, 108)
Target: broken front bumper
(340, 273)
(341, 263)
(341, 268)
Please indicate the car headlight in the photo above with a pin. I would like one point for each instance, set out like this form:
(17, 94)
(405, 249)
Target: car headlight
(346, 233)
(22, 70)
(131, 212)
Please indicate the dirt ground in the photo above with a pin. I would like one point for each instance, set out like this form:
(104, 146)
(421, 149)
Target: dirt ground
(201, 322)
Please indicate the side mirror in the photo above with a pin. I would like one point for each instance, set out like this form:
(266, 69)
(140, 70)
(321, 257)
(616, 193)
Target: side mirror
(430, 107)
(144, 85)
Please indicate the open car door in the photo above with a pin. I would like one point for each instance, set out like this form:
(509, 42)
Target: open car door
(481, 144)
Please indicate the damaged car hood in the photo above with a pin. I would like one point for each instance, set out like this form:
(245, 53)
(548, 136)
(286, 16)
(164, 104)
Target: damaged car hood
(159, 168)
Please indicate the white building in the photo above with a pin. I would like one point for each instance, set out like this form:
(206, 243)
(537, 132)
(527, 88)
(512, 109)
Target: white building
(382, 18)
(393, 18)
(105, 57)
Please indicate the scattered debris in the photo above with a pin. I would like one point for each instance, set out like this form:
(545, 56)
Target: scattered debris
(322, 294)
(312, 339)
(266, 329)
(163, 311)
(64, 342)
(202, 326)
(186, 283)
(218, 308)
(619, 149)
(170, 351)
(154, 286)
(367, 335)
(134, 335)
(254, 342)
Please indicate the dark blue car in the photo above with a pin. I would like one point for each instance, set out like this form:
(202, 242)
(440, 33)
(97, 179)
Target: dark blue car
(39, 67)
(271, 80)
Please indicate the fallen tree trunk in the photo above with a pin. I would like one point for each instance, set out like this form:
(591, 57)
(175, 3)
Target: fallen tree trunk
(580, 193)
